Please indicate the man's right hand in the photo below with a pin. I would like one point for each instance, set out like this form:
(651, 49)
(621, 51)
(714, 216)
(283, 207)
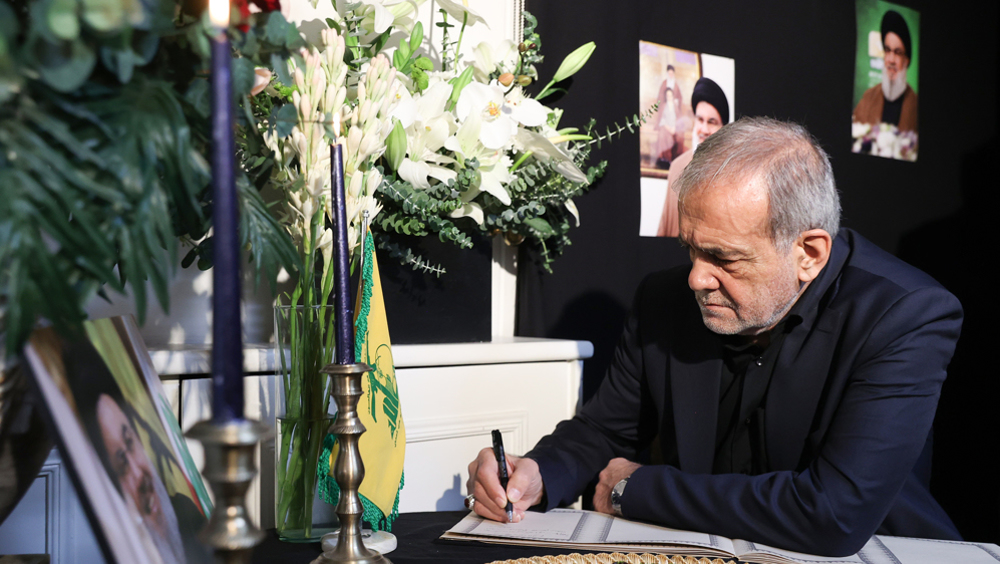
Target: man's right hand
(524, 488)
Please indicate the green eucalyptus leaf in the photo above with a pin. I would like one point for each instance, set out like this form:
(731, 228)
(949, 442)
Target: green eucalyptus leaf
(104, 15)
(542, 227)
(293, 38)
(62, 19)
(277, 29)
(250, 45)
(285, 118)
(144, 46)
(66, 66)
(243, 76)
(188, 259)
(281, 69)
(119, 61)
(199, 96)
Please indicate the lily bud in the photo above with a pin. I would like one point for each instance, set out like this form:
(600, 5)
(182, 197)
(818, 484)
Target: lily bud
(354, 187)
(523, 80)
(574, 61)
(506, 79)
(300, 79)
(395, 145)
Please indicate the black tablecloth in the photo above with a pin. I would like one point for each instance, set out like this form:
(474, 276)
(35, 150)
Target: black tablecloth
(417, 535)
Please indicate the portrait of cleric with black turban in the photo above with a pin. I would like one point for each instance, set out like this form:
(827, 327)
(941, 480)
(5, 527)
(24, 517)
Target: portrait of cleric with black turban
(893, 101)
(885, 116)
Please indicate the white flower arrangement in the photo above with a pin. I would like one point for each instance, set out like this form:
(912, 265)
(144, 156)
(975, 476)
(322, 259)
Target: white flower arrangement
(884, 140)
(451, 149)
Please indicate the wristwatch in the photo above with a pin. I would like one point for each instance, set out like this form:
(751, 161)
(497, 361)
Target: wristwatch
(616, 496)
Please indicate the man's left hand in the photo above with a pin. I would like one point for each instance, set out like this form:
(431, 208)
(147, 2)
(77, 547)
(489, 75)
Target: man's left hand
(616, 470)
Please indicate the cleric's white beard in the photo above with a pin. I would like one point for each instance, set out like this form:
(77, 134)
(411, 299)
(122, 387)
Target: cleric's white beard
(893, 89)
(670, 83)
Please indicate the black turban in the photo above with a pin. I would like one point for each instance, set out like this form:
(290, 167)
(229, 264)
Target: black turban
(895, 23)
(706, 90)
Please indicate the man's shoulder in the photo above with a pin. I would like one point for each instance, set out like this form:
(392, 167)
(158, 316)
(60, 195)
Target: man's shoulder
(870, 271)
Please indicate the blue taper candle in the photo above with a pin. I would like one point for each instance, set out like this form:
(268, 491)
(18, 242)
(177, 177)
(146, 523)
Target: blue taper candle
(227, 339)
(341, 260)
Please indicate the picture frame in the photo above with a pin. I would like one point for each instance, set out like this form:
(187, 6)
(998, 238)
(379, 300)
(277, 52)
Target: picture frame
(121, 443)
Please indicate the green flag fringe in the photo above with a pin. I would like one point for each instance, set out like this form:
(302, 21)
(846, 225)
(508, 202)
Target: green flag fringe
(330, 492)
(328, 487)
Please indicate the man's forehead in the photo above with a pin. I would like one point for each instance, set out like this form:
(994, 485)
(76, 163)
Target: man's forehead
(739, 205)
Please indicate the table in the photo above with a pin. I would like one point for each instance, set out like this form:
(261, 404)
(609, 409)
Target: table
(417, 535)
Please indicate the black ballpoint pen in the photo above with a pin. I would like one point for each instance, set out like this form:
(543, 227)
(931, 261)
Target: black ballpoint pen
(502, 463)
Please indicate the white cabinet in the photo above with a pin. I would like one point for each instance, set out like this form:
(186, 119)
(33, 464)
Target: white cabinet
(452, 396)
(50, 520)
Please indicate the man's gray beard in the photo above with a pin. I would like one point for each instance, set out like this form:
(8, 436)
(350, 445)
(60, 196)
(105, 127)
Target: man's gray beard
(893, 89)
(746, 324)
(671, 82)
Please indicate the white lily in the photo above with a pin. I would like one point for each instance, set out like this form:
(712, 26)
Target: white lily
(429, 127)
(487, 58)
(499, 116)
(494, 165)
(458, 10)
(526, 111)
(469, 209)
(546, 150)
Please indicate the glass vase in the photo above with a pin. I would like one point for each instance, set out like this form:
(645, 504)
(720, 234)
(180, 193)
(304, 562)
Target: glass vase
(303, 345)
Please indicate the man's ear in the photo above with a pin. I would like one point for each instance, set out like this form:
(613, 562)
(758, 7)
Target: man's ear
(812, 250)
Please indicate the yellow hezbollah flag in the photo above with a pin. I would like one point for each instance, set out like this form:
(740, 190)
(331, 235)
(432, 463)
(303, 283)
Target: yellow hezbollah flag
(384, 442)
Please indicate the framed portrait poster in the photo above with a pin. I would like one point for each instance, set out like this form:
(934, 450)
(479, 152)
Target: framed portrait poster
(884, 121)
(121, 443)
(695, 96)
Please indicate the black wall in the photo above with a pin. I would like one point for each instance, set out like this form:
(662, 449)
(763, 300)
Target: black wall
(795, 60)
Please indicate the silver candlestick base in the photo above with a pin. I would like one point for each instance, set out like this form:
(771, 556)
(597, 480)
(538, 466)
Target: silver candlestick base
(229, 468)
(349, 470)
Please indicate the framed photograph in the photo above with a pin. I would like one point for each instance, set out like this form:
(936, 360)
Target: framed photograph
(884, 122)
(121, 443)
(695, 96)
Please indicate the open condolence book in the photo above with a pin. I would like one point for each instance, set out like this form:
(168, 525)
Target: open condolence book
(590, 531)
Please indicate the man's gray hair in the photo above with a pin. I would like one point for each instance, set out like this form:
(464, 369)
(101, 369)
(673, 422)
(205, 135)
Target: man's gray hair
(802, 194)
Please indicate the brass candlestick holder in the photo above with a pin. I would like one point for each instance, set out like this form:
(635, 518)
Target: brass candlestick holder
(349, 470)
(229, 468)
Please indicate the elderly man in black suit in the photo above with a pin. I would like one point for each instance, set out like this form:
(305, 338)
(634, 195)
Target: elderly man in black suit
(788, 377)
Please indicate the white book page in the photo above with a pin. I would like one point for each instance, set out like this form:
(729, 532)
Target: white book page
(930, 551)
(624, 531)
(755, 552)
(552, 526)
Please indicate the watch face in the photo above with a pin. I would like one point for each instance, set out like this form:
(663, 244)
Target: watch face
(616, 496)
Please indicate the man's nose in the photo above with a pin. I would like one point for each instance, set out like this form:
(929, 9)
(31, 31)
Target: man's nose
(702, 276)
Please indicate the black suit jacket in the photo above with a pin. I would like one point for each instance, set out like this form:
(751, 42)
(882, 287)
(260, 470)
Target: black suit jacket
(847, 421)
